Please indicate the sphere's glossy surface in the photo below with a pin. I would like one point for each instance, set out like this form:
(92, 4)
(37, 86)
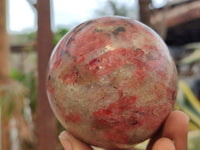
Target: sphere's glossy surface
(111, 82)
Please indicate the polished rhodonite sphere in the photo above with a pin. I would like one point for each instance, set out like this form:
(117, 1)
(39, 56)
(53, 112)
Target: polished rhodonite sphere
(111, 82)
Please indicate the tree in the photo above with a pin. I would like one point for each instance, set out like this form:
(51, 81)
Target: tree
(117, 7)
(145, 12)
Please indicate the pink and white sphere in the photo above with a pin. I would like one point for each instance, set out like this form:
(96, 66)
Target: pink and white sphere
(111, 82)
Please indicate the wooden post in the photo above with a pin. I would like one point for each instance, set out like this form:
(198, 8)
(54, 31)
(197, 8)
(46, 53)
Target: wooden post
(46, 121)
(4, 72)
(4, 45)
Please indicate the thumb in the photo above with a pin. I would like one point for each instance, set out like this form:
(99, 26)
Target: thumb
(69, 142)
(163, 144)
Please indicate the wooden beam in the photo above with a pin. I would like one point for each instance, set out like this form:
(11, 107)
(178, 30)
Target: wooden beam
(4, 45)
(4, 72)
(178, 14)
(189, 15)
(47, 129)
(22, 48)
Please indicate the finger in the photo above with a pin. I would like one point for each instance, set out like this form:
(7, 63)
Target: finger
(155, 137)
(176, 128)
(69, 142)
(64, 141)
(163, 144)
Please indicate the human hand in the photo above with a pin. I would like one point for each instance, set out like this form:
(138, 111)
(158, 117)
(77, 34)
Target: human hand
(172, 136)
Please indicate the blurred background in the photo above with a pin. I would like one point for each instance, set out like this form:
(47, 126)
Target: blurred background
(29, 29)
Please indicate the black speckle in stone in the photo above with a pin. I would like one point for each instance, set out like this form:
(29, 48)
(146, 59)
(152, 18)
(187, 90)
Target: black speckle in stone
(127, 22)
(78, 28)
(83, 25)
(115, 87)
(107, 34)
(135, 122)
(98, 30)
(141, 113)
(64, 52)
(89, 22)
(68, 41)
(119, 29)
(173, 95)
(76, 71)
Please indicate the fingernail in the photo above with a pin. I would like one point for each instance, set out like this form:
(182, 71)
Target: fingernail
(63, 136)
(64, 141)
(187, 117)
(164, 144)
(184, 114)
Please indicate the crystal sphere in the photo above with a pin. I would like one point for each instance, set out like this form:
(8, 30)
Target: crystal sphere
(111, 82)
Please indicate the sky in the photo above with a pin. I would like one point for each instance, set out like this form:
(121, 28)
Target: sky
(64, 12)
(22, 17)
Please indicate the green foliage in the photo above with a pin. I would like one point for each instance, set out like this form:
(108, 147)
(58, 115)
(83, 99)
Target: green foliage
(193, 140)
(188, 103)
(59, 34)
(12, 98)
(7, 106)
(29, 80)
(23, 38)
(16, 75)
(31, 36)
